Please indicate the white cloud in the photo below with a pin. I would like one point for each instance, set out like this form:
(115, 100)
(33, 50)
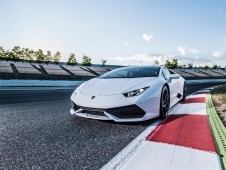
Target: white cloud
(147, 37)
(118, 58)
(181, 50)
(126, 43)
(148, 59)
(218, 54)
(196, 51)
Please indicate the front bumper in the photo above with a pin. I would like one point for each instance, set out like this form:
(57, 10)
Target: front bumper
(131, 113)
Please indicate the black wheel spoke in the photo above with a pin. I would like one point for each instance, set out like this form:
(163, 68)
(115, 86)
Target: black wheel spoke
(165, 102)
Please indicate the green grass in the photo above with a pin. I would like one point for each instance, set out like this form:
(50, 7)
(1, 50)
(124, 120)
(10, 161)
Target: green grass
(218, 128)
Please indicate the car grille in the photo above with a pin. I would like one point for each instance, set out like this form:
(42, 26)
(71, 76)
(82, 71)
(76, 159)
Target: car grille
(132, 111)
(94, 112)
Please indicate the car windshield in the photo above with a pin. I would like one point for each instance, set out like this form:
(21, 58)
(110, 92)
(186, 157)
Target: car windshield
(132, 72)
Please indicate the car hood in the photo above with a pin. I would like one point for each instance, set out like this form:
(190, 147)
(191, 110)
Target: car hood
(114, 86)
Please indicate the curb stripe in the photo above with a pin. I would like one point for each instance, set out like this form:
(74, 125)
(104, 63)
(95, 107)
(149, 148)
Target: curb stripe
(194, 100)
(185, 130)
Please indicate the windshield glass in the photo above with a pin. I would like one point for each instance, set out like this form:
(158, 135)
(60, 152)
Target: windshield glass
(132, 72)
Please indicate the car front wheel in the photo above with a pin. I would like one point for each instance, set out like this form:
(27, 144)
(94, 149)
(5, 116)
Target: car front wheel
(164, 102)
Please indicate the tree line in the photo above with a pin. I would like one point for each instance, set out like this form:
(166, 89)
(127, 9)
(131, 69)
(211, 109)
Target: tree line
(174, 64)
(25, 54)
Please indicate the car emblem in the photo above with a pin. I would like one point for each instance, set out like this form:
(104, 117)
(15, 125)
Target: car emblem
(93, 97)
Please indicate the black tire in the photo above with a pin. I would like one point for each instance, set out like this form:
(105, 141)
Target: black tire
(184, 93)
(164, 102)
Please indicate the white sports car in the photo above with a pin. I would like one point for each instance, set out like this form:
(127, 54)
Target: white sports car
(129, 94)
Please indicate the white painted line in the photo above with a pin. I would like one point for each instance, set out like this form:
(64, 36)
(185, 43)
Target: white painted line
(161, 156)
(122, 157)
(204, 90)
(195, 96)
(191, 108)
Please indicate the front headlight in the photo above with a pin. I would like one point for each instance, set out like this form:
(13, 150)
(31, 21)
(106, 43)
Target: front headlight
(135, 92)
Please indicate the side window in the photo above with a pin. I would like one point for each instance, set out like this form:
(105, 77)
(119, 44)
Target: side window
(166, 73)
(171, 72)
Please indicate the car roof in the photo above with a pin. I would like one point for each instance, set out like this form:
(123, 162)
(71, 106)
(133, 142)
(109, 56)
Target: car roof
(151, 66)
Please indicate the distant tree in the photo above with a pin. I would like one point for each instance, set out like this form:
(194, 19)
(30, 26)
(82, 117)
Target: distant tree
(206, 67)
(72, 60)
(86, 61)
(2, 52)
(7, 54)
(39, 56)
(190, 65)
(219, 67)
(156, 62)
(26, 54)
(214, 66)
(103, 62)
(15, 53)
(56, 57)
(31, 54)
(48, 57)
(174, 63)
(167, 63)
(180, 66)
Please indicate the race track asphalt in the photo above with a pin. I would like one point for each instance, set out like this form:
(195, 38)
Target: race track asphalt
(37, 131)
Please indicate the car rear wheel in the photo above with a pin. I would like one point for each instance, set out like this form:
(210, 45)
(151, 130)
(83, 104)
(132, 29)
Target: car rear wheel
(184, 93)
(164, 102)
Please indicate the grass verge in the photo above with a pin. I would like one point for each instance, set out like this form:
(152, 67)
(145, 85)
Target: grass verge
(218, 129)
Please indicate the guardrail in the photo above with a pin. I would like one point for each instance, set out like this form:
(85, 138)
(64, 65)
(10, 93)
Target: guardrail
(218, 129)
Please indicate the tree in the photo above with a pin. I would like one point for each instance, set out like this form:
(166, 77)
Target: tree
(15, 53)
(72, 60)
(180, 66)
(2, 52)
(190, 65)
(56, 57)
(32, 54)
(156, 62)
(167, 63)
(206, 67)
(174, 63)
(39, 55)
(214, 66)
(103, 62)
(48, 56)
(26, 54)
(86, 61)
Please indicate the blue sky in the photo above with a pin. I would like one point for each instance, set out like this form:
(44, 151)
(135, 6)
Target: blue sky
(121, 31)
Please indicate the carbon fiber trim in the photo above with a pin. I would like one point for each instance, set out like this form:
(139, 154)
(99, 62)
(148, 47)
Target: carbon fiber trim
(125, 112)
(132, 111)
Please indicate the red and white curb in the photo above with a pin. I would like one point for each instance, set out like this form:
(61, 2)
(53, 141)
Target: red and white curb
(183, 141)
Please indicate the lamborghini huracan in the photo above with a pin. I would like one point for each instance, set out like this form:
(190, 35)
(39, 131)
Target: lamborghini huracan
(129, 94)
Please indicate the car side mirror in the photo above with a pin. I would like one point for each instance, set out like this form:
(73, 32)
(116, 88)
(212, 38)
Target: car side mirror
(174, 76)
